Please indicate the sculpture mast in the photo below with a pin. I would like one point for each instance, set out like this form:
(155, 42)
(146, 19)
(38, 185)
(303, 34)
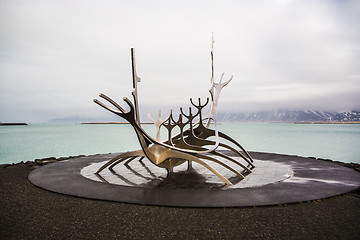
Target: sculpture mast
(212, 65)
(212, 81)
(215, 88)
(136, 79)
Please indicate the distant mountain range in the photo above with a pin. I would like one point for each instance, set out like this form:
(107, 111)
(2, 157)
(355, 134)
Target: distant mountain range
(281, 115)
(284, 115)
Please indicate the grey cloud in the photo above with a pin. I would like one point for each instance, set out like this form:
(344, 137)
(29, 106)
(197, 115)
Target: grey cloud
(56, 56)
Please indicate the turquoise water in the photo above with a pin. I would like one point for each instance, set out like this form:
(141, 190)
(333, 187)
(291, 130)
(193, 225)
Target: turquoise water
(331, 141)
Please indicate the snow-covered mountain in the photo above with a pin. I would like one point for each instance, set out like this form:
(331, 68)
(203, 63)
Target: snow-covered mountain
(291, 116)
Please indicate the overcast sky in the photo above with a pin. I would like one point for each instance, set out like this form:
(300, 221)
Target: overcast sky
(56, 56)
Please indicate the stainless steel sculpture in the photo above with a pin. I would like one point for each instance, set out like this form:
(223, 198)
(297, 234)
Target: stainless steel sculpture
(192, 144)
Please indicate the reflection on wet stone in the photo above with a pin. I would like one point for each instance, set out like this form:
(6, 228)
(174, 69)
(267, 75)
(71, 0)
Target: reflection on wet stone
(184, 180)
(147, 175)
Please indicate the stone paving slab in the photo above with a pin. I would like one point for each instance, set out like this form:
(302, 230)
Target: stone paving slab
(277, 179)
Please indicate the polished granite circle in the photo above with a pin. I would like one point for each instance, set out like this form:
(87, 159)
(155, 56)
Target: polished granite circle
(277, 179)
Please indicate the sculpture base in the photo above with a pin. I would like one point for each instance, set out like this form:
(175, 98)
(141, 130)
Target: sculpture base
(277, 179)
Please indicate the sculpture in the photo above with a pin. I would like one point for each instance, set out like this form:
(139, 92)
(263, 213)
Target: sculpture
(187, 146)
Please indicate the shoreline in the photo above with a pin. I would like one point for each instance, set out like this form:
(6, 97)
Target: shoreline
(110, 123)
(46, 160)
(355, 122)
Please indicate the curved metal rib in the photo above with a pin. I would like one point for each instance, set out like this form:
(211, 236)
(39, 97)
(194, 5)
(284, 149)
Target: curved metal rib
(220, 163)
(122, 157)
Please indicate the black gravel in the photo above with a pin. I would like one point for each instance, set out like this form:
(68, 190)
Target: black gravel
(28, 212)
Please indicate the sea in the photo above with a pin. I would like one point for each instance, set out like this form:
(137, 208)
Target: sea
(338, 142)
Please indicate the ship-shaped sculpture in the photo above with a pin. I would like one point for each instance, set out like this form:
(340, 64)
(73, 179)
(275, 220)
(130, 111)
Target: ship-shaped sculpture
(194, 141)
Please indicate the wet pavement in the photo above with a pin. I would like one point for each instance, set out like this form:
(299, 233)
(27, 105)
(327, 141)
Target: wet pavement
(142, 173)
(277, 179)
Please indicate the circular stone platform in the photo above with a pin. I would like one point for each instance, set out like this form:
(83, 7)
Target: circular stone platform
(277, 179)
